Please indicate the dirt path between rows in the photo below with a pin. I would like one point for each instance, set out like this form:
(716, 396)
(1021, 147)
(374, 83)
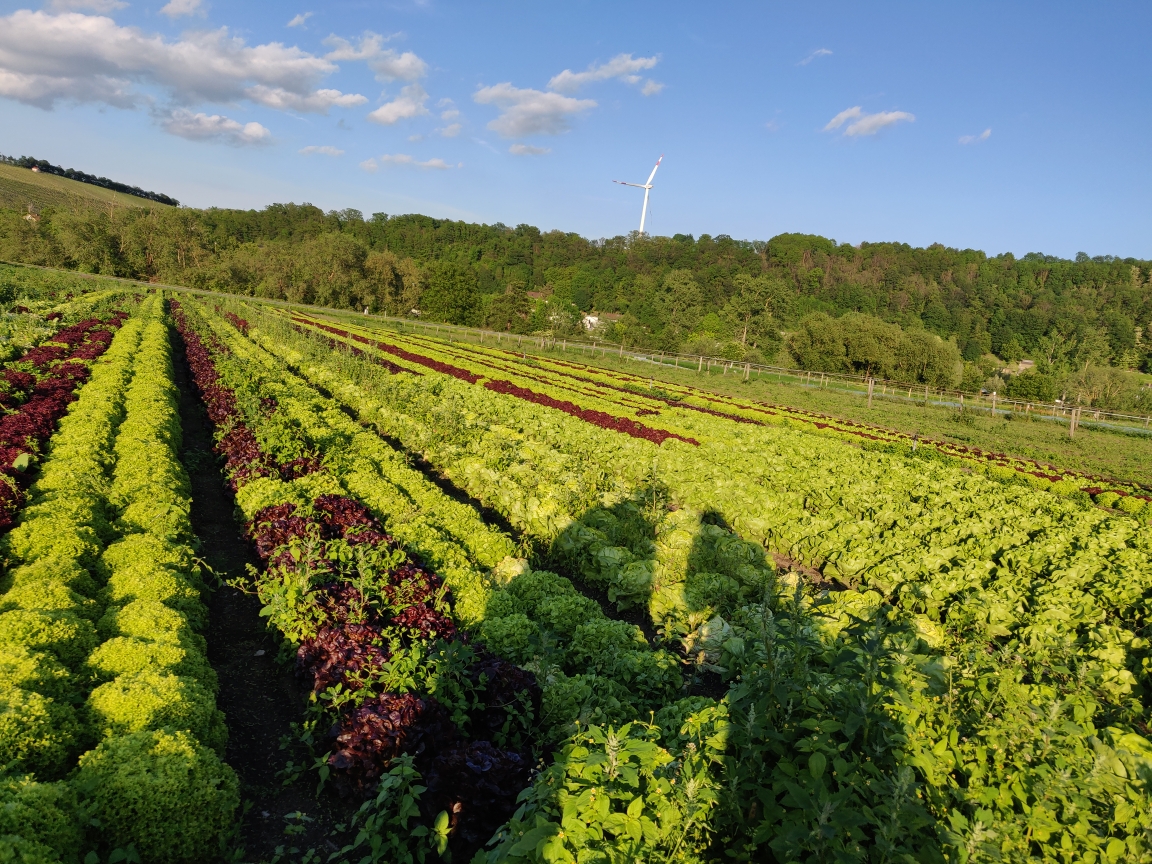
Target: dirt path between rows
(259, 697)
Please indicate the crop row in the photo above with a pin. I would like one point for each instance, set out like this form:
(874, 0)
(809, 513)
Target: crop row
(636, 392)
(354, 609)
(854, 525)
(998, 611)
(35, 391)
(108, 695)
(683, 568)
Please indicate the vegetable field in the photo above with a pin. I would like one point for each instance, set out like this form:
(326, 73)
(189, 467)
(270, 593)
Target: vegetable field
(543, 612)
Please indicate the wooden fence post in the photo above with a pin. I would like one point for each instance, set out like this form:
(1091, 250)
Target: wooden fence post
(871, 384)
(700, 365)
(747, 369)
(993, 403)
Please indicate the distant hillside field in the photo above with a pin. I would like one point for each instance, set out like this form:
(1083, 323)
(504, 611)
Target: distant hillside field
(20, 187)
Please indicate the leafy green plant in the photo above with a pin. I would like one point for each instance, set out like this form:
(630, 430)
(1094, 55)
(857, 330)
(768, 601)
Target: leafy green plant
(381, 825)
(162, 791)
(614, 794)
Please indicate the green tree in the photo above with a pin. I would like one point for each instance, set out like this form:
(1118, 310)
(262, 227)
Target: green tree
(819, 344)
(452, 294)
(510, 311)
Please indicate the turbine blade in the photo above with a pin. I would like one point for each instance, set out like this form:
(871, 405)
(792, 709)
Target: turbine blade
(653, 174)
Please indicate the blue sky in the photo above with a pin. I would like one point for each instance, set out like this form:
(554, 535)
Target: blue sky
(1001, 126)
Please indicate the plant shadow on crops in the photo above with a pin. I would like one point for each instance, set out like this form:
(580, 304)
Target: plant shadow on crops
(813, 679)
(259, 698)
(679, 606)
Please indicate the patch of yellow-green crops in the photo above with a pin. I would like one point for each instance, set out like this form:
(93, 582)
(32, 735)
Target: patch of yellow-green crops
(108, 726)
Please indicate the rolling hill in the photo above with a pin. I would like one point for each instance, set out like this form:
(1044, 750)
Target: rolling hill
(20, 187)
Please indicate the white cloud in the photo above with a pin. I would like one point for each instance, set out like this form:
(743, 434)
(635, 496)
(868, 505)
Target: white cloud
(530, 112)
(976, 139)
(325, 149)
(528, 150)
(180, 8)
(819, 52)
(205, 127)
(90, 5)
(410, 103)
(451, 130)
(622, 66)
(47, 58)
(405, 159)
(651, 88)
(370, 166)
(299, 20)
(318, 102)
(838, 121)
(388, 64)
(870, 124)
(415, 139)
(867, 124)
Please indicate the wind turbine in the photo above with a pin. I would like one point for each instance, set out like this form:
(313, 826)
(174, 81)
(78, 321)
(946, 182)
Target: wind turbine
(647, 187)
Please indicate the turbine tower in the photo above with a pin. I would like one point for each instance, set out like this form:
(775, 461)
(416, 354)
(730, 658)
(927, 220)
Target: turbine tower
(647, 187)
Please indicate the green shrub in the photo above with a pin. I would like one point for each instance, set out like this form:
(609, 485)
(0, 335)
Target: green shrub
(159, 583)
(36, 671)
(37, 734)
(14, 849)
(70, 638)
(63, 570)
(49, 596)
(127, 655)
(161, 791)
(44, 813)
(155, 700)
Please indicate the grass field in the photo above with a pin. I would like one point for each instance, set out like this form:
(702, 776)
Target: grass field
(20, 187)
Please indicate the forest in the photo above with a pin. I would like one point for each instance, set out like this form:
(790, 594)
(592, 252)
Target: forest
(936, 315)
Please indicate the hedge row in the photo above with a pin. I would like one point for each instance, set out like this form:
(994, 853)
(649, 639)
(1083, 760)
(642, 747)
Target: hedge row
(107, 705)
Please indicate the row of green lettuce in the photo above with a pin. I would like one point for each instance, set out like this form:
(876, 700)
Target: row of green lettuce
(667, 407)
(599, 675)
(988, 681)
(109, 735)
(591, 667)
(921, 531)
(1128, 497)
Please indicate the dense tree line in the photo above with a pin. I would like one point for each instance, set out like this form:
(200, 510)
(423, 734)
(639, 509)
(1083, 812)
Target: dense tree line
(933, 315)
(91, 179)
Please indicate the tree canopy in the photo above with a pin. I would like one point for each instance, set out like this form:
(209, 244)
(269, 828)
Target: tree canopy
(884, 308)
